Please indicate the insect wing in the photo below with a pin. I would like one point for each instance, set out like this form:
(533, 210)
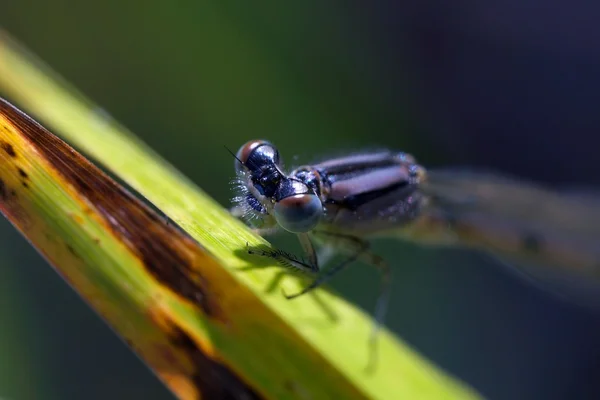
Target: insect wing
(527, 225)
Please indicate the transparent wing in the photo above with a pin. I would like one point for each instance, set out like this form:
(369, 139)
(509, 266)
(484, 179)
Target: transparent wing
(512, 219)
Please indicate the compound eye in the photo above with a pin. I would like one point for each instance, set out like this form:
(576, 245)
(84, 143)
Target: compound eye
(298, 213)
(255, 154)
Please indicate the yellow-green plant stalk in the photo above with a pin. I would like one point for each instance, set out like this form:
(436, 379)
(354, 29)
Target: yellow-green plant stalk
(180, 299)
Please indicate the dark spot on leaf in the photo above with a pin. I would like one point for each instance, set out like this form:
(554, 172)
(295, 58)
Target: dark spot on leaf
(72, 251)
(81, 183)
(213, 379)
(3, 193)
(152, 215)
(23, 173)
(25, 185)
(168, 254)
(8, 148)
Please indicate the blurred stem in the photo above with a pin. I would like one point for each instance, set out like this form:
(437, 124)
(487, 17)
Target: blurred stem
(21, 361)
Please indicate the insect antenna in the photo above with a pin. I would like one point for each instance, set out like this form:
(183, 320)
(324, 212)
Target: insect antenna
(233, 154)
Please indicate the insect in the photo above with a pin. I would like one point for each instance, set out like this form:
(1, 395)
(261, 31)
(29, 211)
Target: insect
(342, 203)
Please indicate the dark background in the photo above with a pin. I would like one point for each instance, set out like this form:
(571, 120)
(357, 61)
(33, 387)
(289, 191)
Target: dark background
(512, 86)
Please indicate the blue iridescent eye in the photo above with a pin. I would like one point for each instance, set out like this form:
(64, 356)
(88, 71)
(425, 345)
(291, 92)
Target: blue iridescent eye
(298, 213)
(255, 155)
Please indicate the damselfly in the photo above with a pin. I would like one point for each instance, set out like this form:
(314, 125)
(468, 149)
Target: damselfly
(342, 203)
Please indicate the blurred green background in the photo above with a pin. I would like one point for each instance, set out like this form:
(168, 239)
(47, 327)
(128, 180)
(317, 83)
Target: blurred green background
(489, 85)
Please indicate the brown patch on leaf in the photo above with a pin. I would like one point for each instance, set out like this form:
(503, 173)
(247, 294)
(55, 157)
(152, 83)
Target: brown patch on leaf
(73, 252)
(202, 373)
(212, 379)
(22, 173)
(8, 148)
(3, 190)
(166, 252)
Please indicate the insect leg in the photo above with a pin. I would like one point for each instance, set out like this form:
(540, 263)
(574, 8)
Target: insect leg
(384, 269)
(359, 246)
(309, 249)
(351, 243)
(382, 301)
(290, 261)
(325, 254)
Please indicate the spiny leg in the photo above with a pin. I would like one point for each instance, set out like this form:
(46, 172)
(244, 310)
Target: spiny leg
(368, 257)
(325, 254)
(386, 279)
(309, 249)
(383, 300)
(291, 261)
(283, 258)
(359, 246)
(359, 249)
